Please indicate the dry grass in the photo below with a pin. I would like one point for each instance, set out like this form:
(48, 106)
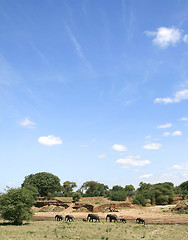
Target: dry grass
(83, 231)
(64, 199)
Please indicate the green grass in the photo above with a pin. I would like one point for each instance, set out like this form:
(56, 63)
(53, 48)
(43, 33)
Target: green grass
(79, 230)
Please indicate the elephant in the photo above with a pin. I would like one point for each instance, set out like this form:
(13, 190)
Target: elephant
(58, 217)
(140, 220)
(93, 216)
(123, 220)
(112, 217)
(84, 220)
(69, 218)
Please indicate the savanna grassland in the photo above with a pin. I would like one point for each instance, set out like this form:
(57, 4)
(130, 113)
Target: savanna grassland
(84, 230)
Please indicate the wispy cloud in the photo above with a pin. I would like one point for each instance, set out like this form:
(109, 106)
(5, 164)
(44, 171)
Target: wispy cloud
(153, 146)
(40, 54)
(102, 156)
(175, 133)
(146, 175)
(77, 47)
(178, 97)
(8, 76)
(119, 148)
(183, 166)
(184, 119)
(167, 125)
(165, 134)
(132, 161)
(27, 123)
(50, 140)
(84, 146)
(185, 38)
(148, 136)
(165, 37)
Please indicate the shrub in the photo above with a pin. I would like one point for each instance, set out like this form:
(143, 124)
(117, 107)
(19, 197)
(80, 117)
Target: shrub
(140, 199)
(76, 197)
(117, 195)
(15, 205)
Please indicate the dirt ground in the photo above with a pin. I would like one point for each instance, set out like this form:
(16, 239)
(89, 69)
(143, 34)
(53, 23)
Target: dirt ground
(153, 214)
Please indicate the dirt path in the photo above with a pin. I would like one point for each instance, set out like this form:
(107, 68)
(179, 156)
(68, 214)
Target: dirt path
(156, 214)
(69, 209)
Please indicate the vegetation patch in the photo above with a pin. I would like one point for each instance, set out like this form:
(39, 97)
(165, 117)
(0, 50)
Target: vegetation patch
(77, 230)
(181, 207)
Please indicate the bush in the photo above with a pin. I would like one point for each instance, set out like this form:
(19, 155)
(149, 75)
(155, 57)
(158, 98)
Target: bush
(15, 205)
(162, 200)
(76, 197)
(117, 195)
(140, 199)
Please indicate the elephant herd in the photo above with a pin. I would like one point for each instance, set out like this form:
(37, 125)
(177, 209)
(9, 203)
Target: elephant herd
(91, 217)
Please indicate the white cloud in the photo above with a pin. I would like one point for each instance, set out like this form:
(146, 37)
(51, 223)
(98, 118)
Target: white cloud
(146, 175)
(165, 134)
(153, 146)
(167, 125)
(101, 156)
(177, 133)
(119, 148)
(27, 123)
(165, 37)
(185, 38)
(184, 119)
(183, 166)
(131, 161)
(178, 97)
(50, 140)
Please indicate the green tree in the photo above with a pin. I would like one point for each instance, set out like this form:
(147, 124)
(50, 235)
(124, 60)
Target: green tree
(117, 195)
(130, 190)
(67, 188)
(164, 193)
(33, 189)
(93, 189)
(183, 188)
(140, 199)
(117, 188)
(46, 183)
(15, 205)
(76, 196)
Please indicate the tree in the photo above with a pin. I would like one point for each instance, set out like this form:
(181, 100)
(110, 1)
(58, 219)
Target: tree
(67, 188)
(164, 193)
(130, 190)
(46, 183)
(117, 188)
(183, 187)
(76, 196)
(33, 189)
(140, 199)
(93, 189)
(15, 205)
(119, 195)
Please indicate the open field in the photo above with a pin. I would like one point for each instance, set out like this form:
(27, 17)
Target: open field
(161, 223)
(152, 214)
(79, 230)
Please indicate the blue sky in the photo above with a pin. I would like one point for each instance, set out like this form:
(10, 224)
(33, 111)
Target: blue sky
(94, 90)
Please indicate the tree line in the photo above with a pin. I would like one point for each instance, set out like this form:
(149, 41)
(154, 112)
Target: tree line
(15, 203)
(45, 184)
